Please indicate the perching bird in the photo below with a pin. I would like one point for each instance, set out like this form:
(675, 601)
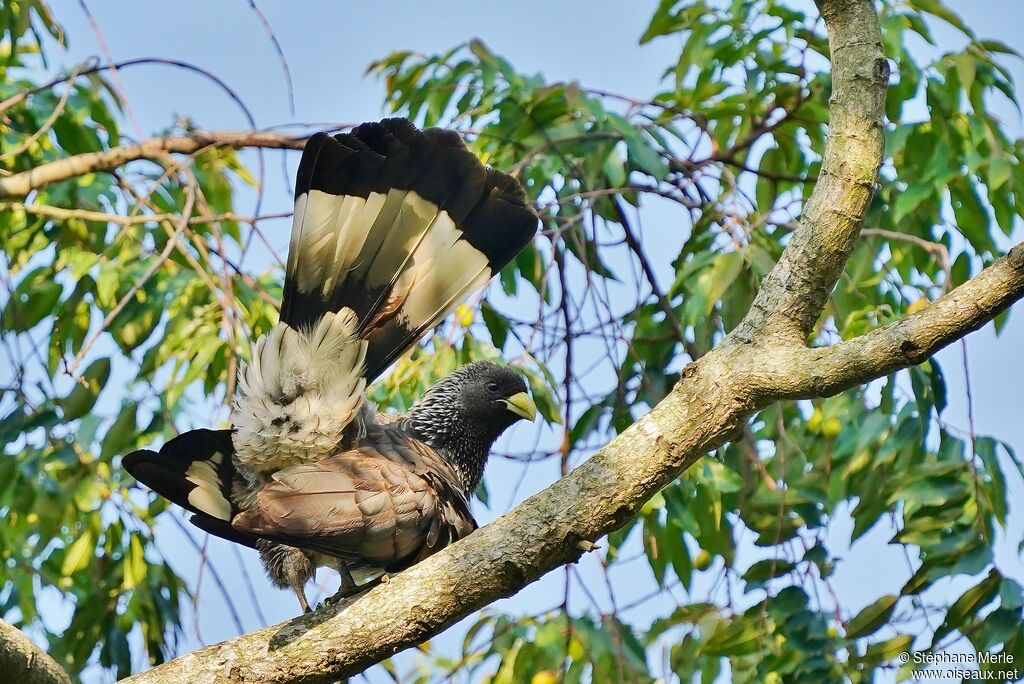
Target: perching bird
(394, 227)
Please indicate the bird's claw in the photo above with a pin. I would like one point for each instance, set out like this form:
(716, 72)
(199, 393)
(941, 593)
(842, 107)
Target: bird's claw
(342, 594)
(345, 592)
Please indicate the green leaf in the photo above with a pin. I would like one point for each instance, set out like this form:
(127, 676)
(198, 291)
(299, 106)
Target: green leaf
(738, 637)
(711, 284)
(79, 554)
(971, 217)
(994, 486)
(134, 564)
(1010, 594)
(911, 199)
(868, 620)
(34, 299)
(966, 69)
(758, 574)
(972, 600)
(122, 433)
(885, 651)
(585, 424)
(107, 282)
(1000, 171)
(497, 325)
(940, 10)
(83, 396)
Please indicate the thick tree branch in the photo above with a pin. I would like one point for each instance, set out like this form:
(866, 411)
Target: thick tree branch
(20, 184)
(23, 662)
(824, 371)
(792, 296)
(715, 397)
(762, 361)
(713, 400)
(548, 530)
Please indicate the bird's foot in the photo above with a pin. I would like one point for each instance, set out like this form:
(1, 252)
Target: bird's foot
(345, 592)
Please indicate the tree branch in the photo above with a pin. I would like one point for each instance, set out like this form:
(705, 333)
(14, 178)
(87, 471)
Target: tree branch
(712, 402)
(638, 250)
(824, 371)
(548, 530)
(62, 214)
(24, 662)
(708, 407)
(20, 184)
(792, 296)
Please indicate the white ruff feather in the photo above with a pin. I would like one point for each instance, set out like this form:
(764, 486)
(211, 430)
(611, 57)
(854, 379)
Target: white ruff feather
(300, 391)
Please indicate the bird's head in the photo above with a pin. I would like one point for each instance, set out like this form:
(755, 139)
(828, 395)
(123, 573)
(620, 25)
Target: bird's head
(492, 394)
(489, 396)
(468, 409)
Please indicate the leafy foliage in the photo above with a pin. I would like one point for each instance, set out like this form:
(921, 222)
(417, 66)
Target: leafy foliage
(126, 302)
(735, 140)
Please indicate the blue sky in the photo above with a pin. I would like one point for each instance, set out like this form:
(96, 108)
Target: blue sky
(328, 46)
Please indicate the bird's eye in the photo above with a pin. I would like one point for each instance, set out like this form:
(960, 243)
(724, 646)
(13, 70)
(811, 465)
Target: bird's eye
(492, 387)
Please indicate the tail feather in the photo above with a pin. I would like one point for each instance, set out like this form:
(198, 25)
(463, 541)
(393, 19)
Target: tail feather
(194, 470)
(398, 225)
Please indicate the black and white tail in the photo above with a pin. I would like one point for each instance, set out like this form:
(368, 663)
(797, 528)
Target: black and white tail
(394, 227)
(194, 470)
(400, 226)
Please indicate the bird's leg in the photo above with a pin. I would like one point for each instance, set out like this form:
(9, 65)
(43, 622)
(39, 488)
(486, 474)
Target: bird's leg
(300, 593)
(348, 585)
(287, 568)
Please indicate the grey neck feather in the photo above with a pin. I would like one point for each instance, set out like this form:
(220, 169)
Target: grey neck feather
(439, 420)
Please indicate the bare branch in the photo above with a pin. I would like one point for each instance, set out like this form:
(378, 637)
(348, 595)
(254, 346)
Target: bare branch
(20, 184)
(63, 214)
(792, 296)
(937, 249)
(825, 371)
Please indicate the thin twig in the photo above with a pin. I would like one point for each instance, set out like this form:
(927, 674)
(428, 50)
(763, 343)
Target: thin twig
(87, 215)
(141, 282)
(280, 54)
(115, 76)
(634, 245)
(47, 125)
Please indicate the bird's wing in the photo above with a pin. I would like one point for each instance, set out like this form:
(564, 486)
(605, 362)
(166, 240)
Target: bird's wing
(386, 504)
(393, 228)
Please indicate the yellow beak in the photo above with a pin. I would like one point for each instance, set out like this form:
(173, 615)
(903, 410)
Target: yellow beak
(522, 404)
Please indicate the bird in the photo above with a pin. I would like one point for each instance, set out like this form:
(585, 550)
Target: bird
(393, 228)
